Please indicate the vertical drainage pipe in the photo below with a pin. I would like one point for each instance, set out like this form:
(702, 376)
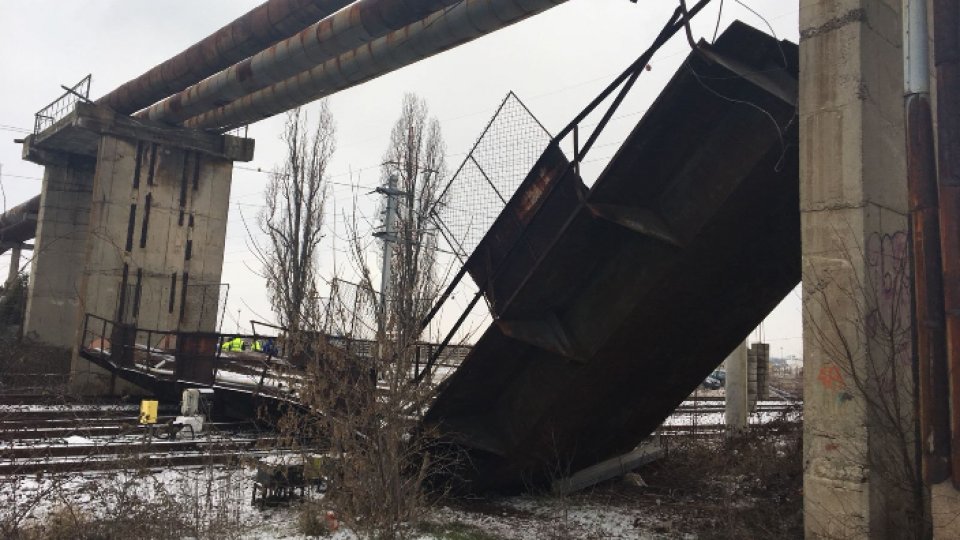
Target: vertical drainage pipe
(930, 344)
(946, 55)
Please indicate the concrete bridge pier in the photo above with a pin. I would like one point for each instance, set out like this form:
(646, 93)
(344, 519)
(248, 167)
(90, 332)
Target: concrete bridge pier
(53, 301)
(131, 229)
(736, 387)
(861, 474)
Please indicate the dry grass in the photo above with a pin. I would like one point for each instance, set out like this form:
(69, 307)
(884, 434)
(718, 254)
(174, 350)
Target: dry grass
(31, 366)
(748, 487)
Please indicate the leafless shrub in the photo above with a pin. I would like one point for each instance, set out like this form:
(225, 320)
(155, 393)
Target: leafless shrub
(743, 487)
(362, 401)
(859, 315)
(292, 217)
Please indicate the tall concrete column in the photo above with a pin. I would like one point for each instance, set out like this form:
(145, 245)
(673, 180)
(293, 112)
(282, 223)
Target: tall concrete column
(752, 379)
(132, 228)
(736, 390)
(53, 302)
(14, 270)
(860, 469)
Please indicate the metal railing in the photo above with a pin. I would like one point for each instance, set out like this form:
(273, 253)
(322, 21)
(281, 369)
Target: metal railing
(198, 357)
(195, 357)
(62, 106)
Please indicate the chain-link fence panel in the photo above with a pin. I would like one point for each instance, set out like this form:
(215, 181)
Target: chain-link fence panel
(502, 157)
(350, 311)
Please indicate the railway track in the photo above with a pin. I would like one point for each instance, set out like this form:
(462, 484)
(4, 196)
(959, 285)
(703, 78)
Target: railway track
(39, 436)
(53, 437)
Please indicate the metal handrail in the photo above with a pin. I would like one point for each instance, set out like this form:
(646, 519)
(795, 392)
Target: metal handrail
(62, 106)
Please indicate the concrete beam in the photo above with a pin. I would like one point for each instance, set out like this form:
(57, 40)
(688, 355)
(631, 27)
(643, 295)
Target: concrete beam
(80, 132)
(647, 452)
(860, 469)
(736, 387)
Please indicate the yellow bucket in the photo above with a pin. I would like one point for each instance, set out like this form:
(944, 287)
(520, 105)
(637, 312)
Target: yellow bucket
(148, 411)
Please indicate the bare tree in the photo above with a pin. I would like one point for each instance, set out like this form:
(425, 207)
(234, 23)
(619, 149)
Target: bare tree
(370, 406)
(415, 158)
(292, 219)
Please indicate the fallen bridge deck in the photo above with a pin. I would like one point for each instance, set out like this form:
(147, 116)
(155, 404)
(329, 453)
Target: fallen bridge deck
(612, 303)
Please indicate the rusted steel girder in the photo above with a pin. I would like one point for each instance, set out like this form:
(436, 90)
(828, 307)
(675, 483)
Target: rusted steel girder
(349, 28)
(946, 57)
(251, 33)
(442, 30)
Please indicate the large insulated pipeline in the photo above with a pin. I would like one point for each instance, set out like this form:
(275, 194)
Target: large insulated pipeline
(19, 223)
(349, 28)
(445, 29)
(259, 28)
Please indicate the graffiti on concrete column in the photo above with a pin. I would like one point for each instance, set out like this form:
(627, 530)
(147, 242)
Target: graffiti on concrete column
(889, 293)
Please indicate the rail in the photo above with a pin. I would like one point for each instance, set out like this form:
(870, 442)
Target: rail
(208, 358)
(202, 358)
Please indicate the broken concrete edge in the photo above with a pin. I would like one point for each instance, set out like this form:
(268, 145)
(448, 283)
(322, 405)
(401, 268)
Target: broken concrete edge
(648, 451)
(79, 133)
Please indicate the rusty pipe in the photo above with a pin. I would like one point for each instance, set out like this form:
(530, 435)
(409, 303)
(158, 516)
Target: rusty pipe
(946, 58)
(345, 30)
(442, 30)
(19, 223)
(252, 32)
(933, 403)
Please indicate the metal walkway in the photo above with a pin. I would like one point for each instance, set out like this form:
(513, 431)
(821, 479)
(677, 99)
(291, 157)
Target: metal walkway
(613, 303)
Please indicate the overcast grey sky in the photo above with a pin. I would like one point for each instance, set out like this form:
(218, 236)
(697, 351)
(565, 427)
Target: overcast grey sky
(556, 62)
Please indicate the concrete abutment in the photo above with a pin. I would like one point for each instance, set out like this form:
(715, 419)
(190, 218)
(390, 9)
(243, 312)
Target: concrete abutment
(131, 230)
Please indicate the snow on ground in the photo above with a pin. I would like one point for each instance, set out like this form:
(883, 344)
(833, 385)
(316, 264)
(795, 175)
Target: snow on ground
(532, 517)
(718, 418)
(225, 493)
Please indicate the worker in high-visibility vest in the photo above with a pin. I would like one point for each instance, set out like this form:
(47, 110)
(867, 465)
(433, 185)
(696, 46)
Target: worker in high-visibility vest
(233, 345)
(265, 346)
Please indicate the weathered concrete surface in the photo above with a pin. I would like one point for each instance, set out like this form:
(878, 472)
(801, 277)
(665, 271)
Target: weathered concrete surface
(14, 269)
(176, 201)
(761, 352)
(860, 472)
(53, 304)
(945, 511)
(736, 389)
(132, 228)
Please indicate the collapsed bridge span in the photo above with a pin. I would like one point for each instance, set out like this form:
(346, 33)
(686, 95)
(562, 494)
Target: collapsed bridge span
(611, 304)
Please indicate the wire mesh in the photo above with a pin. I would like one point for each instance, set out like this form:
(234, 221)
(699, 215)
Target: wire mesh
(490, 175)
(350, 311)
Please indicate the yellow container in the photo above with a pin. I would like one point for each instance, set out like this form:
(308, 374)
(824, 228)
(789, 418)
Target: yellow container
(148, 411)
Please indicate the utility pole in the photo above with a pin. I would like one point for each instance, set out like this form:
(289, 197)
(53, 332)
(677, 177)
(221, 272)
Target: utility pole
(389, 237)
